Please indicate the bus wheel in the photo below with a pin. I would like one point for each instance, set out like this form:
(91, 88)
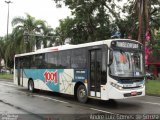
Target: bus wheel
(82, 94)
(31, 86)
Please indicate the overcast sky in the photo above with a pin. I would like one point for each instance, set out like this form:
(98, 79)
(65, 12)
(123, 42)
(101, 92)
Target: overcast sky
(40, 9)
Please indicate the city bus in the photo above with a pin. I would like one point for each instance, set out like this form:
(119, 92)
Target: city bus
(108, 69)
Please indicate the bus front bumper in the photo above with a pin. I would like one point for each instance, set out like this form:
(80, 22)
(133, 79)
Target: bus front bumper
(126, 93)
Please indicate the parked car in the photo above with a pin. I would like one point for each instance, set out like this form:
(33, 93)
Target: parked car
(5, 71)
(150, 76)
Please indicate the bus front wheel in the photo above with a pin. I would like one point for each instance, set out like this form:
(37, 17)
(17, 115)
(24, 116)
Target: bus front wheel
(82, 94)
(31, 86)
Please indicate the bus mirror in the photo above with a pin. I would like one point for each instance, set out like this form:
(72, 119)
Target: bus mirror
(110, 57)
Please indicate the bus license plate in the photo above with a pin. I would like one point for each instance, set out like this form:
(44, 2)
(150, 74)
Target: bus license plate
(134, 93)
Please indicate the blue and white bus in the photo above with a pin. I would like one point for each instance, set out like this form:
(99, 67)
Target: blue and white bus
(108, 69)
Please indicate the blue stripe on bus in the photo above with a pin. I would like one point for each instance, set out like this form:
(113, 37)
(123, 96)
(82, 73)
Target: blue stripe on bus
(49, 76)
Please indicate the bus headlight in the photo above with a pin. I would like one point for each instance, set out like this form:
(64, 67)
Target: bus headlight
(142, 85)
(116, 86)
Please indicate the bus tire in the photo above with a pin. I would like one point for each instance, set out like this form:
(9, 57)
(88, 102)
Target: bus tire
(31, 86)
(82, 94)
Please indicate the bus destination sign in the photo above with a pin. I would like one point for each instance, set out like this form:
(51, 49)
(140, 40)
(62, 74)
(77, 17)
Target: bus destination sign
(127, 45)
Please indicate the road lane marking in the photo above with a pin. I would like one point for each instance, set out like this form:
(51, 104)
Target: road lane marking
(13, 85)
(101, 111)
(151, 103)
(35, 95)
(50, 99)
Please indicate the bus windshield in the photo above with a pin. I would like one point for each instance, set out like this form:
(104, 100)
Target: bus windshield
(127, 64)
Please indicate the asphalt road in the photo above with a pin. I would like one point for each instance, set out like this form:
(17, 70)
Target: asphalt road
(17, 103)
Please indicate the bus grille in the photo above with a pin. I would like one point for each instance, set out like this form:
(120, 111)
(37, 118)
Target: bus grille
(131, 81)
(131, 87)
(129, 94)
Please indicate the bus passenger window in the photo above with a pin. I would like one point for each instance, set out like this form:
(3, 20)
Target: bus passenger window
(78, 58)
(64, 59)
(52, 60)
(39, 61)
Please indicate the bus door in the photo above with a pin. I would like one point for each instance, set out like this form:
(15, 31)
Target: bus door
(95, 72)
(20, 72)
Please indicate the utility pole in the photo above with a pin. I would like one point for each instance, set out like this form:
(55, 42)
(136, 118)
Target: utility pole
(8, 2)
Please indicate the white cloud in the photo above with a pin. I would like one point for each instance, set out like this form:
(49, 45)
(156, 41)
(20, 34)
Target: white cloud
(40, 9)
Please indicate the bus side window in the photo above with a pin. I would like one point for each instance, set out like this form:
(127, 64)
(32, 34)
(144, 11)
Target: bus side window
(39, 61)
(78, 58)
(26, 62)
(18, 62)
(33, 62)
(64, 59)
(52, 60)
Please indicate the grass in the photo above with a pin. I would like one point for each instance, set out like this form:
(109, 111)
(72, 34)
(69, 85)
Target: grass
(153, 87)
(6, 76)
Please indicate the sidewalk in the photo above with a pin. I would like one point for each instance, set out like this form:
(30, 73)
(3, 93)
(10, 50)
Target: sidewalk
(7, 80)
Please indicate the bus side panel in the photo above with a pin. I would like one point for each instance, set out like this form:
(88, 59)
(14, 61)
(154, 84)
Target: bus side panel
(56, 80)
(66, 81)
(45, 79)
(30, 74)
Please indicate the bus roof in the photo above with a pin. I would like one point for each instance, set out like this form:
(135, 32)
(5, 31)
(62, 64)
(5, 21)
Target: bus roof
(69, 46)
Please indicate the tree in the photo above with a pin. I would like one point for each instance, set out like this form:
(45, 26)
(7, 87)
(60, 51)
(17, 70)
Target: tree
(47, 33)
(28, 25)
(127, 18)
(16, 44)
(1, 48)
(93, 19)
(9, 51)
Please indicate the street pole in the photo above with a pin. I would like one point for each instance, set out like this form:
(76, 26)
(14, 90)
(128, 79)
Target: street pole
(8, 2)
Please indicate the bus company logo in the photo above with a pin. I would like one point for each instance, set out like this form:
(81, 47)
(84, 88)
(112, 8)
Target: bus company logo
(51, 76)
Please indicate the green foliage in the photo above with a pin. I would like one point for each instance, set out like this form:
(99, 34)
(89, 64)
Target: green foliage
(1, 48)
(6, 76)
(94, 20)
(91, 20)
(156, 46)
(157, 37)
(152, 87)
(15, 44)
(29, 25)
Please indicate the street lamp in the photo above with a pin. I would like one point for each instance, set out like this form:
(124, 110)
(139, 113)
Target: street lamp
(8, 2)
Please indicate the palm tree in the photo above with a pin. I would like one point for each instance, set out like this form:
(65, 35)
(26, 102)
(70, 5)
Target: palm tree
(29, 25)
(16, 44)
(47, 33)
(143, 9)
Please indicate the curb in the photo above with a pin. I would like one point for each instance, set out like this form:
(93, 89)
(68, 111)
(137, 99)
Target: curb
(153, 95)
(10, 80)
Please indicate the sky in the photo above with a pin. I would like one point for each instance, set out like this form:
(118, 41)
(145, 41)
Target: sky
(40, 9)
